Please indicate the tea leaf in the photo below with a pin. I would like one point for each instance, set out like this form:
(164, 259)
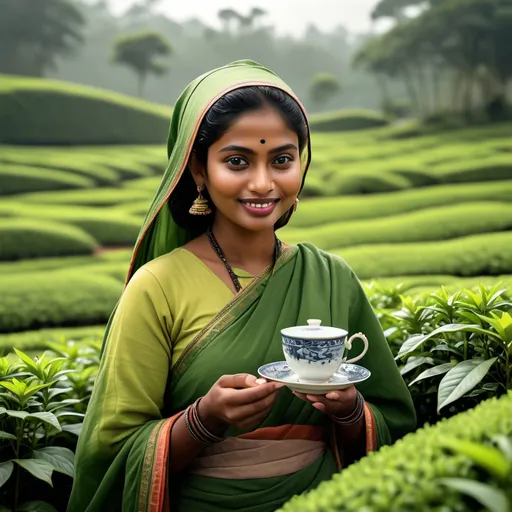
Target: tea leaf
(55, 406)
(487, 457)
(414, 362)
(414, 342)
(6, 435)
(52, 393)
(36, 506)
(505, 445)
(5, 471)
(17, 414)
(75, 428)
(30, 364)
(38, 468)
(492, 499)
(432, 372)
(62, 459)
(461, 379)
(46, 417)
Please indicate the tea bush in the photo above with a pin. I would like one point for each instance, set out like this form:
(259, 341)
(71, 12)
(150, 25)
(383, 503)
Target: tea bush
(366, 182)
(42, 111)
(16, 179)
(424, 225)
(56, 299)
(346, 120)
(41, 410)
(38, 340)
(488, 254)
(25, 238)
(319, 211)
(96, 197)
(453, 349)
(60, 160)
(412, 475)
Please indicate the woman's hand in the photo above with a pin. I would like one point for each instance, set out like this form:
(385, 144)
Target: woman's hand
(340, 403)
(241, 401)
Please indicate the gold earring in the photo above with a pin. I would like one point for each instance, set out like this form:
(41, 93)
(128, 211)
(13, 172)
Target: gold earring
(296, 204)
(200, 205)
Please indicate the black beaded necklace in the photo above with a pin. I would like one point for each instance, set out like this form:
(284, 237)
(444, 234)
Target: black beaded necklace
(220, 254)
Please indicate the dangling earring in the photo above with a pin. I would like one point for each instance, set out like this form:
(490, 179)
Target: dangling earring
(200, 205)
(296, 204)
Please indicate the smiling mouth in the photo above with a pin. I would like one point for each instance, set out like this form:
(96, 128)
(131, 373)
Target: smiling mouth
(259, 203)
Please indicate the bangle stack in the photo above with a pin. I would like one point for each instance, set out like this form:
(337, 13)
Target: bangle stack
(355, 416)
(196, 429)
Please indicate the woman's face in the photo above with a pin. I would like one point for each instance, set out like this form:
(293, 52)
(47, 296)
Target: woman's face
(253, 171)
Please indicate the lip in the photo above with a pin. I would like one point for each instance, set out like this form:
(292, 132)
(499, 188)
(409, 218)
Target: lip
(259, 211)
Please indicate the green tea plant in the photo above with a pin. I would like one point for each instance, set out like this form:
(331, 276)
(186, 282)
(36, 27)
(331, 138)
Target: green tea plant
(455, 350)
(42, 404)
(417, 473)
(495, 461)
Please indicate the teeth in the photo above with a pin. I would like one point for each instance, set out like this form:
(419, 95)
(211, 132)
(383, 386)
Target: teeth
(259, 205)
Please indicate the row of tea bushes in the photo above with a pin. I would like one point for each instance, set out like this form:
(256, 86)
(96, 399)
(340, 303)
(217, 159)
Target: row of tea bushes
(461, 464)
(320, 211)
(27, 238)
(17, 179)
(429, 224)
(56, 299)
(486, 254)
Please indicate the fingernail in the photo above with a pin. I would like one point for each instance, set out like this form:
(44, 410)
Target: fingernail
(260, 381)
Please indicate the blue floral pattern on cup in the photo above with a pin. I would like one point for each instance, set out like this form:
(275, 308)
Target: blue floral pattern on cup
(314, 351)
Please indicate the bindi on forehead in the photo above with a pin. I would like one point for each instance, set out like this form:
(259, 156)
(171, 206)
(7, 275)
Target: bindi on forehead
(262, 141)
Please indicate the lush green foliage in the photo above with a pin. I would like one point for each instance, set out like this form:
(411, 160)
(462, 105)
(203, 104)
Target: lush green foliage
(26, 238)
(453, 349)
(346, 120)
(424, 225)
(56, 299)
(41, 409)
(411, 475)
(488, 254)
(51, 112)
(16, 179)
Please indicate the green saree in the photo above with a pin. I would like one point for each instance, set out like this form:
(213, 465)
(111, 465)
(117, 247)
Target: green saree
(123, 466)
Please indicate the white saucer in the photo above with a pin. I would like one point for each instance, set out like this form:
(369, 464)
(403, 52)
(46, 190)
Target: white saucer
(347, 375)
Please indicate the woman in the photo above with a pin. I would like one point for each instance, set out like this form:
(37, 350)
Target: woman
(178, 419)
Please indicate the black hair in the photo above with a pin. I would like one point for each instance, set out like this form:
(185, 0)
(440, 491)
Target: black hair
(215, 123)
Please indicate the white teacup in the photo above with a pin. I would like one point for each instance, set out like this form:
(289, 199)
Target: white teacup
(314, 352)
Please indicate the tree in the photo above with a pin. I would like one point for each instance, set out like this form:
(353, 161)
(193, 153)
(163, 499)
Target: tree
(228, 17)
(139, 52)
(34, 33)
(323, 87)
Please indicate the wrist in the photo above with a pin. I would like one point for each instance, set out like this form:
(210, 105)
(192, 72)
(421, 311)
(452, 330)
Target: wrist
(210, 421)
(353, 417)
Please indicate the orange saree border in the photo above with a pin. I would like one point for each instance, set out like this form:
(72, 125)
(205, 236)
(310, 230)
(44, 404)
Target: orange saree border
(154, 489)
(370, 432)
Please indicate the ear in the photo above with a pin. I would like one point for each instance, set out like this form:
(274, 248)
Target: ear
(197, 169)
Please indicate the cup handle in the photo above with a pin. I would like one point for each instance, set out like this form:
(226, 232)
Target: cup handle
(348, 344)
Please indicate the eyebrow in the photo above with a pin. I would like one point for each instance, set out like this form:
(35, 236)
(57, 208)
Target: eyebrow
(249, 151)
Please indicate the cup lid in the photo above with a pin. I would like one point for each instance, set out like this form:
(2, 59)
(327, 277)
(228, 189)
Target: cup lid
(314, 331)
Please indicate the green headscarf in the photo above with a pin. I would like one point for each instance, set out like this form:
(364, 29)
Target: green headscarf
(159, 233)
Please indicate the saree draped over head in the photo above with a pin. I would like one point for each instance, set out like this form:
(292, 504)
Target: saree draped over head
(141, 389)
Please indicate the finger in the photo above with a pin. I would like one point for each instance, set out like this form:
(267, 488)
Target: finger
(238, 381)
(318, 399)
(234, 397)
(320, 407)
(242, 412)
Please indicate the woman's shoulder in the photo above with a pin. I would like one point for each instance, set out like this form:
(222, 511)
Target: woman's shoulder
(335, 261)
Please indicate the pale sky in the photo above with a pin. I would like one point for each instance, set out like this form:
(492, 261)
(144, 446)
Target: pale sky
(288, 16)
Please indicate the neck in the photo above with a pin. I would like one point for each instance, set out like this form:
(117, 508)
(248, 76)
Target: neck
(243, 248)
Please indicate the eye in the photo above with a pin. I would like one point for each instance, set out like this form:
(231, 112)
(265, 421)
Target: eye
(236, 161)
(283, 160)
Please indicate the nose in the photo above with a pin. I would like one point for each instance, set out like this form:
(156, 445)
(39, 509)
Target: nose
(260, 180)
